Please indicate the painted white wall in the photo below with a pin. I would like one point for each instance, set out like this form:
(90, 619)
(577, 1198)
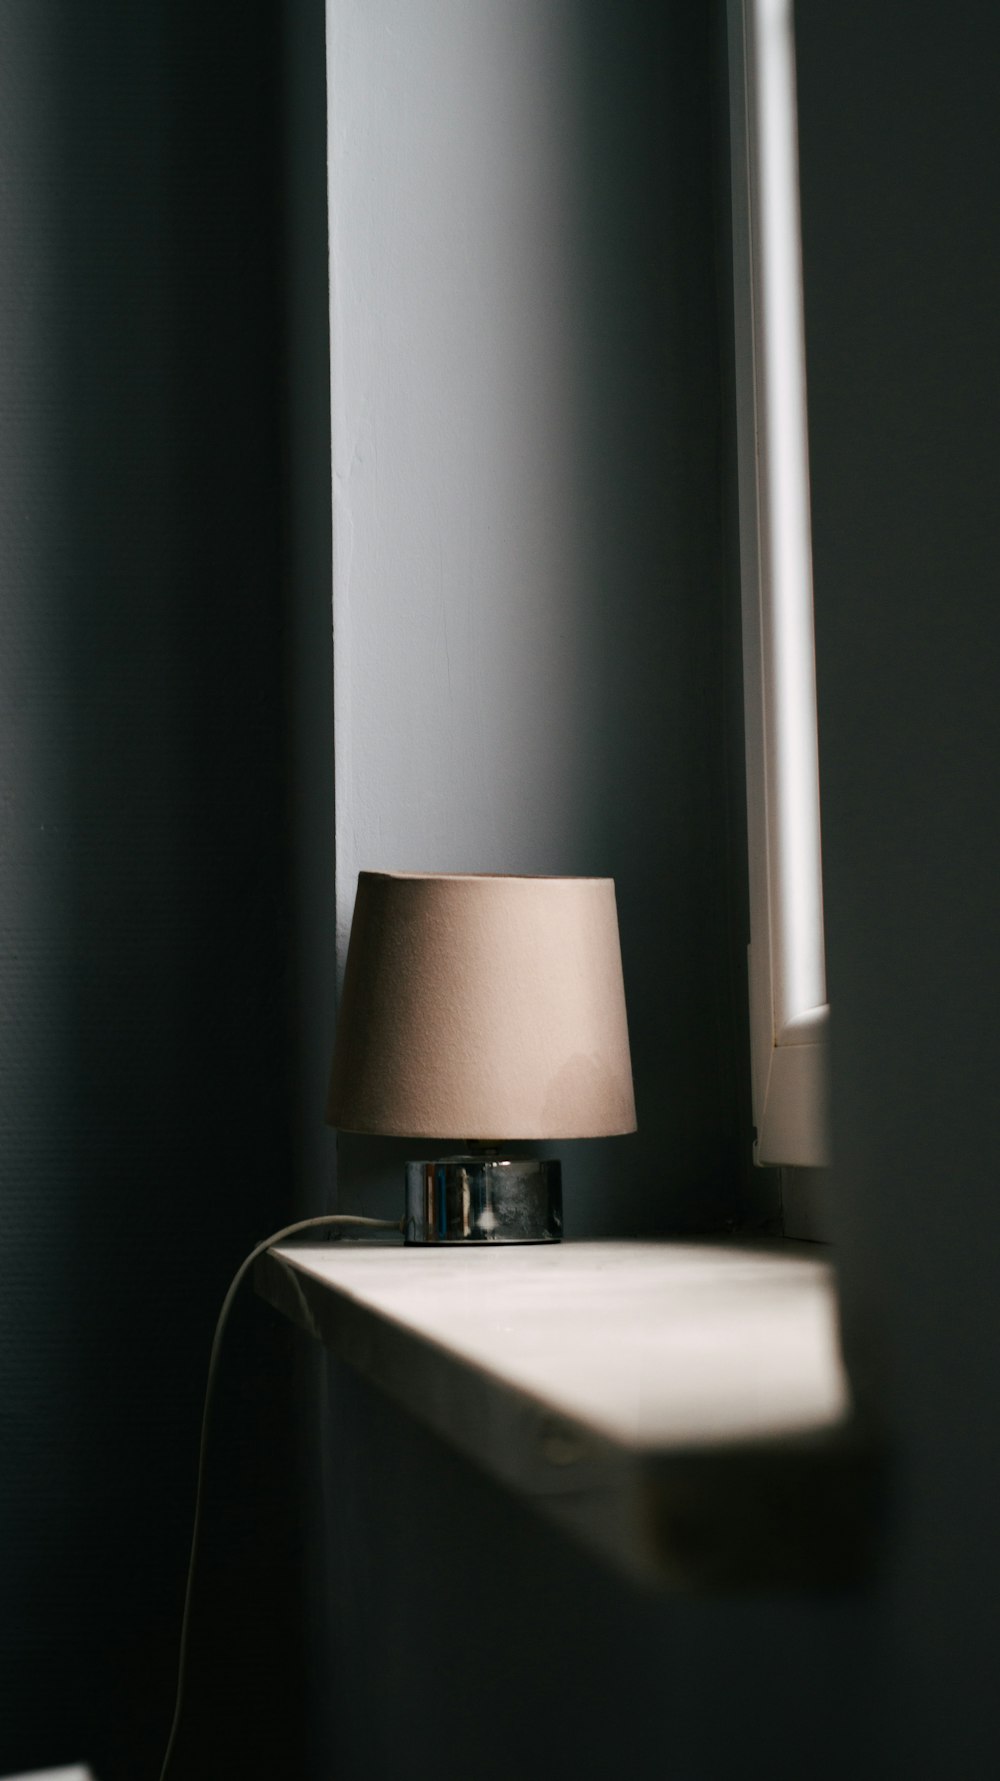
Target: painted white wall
(457, 542)
(527, 591)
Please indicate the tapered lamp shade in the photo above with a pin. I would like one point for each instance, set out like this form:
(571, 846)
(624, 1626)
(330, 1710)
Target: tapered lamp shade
(486, 1008)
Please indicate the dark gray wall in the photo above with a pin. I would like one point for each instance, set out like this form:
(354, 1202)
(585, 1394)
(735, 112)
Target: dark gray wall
(149, 889)
(473, 1641)
(900, 147)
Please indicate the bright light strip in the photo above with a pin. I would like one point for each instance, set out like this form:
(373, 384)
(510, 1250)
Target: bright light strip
(787, 640)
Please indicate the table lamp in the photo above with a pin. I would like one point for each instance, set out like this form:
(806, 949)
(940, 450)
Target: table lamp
(481, 1010)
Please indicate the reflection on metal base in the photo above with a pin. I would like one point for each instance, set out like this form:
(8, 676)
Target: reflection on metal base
(484, 1199)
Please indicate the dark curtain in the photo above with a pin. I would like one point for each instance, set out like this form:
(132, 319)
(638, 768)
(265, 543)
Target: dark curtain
(150, 933)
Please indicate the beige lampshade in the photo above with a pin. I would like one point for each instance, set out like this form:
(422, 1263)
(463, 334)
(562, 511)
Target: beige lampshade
(483, 1007)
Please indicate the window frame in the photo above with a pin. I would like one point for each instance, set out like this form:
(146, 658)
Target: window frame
(789, 1012)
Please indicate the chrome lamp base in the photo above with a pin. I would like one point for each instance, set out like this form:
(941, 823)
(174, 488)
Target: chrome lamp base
(484, 1199)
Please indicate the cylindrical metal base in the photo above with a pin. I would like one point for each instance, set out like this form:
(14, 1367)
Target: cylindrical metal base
(484, 1199)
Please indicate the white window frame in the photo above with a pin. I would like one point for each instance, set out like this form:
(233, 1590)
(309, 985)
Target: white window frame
(788, 1004)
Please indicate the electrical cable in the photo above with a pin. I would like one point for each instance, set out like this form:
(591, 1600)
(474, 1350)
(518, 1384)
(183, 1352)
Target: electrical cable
(327, 1221)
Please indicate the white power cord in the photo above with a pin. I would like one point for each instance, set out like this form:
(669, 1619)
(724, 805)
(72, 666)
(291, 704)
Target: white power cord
(327, 1221)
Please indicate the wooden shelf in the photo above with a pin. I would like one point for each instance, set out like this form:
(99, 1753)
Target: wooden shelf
(679, 1406)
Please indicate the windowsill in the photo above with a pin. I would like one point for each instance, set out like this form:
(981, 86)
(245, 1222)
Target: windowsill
(681, 1407)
